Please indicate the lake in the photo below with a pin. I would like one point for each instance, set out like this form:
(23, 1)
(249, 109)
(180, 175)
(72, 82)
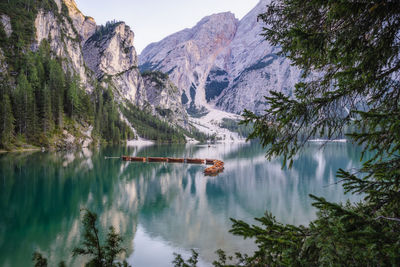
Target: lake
(159, 208)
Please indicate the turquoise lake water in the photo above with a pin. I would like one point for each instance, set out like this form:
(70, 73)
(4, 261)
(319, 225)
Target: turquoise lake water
(159, 208)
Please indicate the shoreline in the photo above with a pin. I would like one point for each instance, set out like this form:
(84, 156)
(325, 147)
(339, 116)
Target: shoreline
(19, 150)
(133, 143)
(328, 141)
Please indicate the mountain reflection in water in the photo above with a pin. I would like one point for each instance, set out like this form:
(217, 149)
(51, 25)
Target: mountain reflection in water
(159, 208)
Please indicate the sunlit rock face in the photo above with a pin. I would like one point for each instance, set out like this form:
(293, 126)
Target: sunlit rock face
(236, 69)
(64, 41)
(254, 67)
(188, 56)
(86, 26)
(110, 53)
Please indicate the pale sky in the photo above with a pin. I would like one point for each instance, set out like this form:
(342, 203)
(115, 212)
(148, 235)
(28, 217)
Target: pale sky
(152, 20)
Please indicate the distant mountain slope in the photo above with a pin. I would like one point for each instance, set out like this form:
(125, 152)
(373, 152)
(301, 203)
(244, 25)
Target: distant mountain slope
(222, 62)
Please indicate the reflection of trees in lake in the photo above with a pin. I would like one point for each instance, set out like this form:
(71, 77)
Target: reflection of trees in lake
(40, 198)
(41, 194)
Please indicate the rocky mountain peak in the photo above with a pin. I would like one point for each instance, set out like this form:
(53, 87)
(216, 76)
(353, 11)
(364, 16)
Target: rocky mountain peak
(110, 49)
(216, 30)
(85, 26)
(110, 53)
(72, 7)
(187, 56)
(223, 62)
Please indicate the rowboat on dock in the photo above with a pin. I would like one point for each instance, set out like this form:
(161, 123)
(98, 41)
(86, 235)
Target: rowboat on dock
(210, 161)
(219, 163)
(195, 161)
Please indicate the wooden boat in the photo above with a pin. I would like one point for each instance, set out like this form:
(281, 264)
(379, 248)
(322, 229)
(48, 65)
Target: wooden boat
(217, 167)
(138, 159)
(157, 159)
(195, 161)
(126, 158)
(176, 160)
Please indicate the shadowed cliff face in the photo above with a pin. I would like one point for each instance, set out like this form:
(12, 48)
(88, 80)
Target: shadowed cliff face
(65, 34)
(233, 70)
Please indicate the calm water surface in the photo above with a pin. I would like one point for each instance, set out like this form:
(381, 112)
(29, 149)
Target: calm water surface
(159, 208)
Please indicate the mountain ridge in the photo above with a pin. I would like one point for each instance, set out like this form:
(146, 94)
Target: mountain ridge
(239, 75)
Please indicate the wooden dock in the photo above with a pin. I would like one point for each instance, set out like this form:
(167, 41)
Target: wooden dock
(175, 160)
(195, 161)
(137, 159)
(216, 168)
(157, 159)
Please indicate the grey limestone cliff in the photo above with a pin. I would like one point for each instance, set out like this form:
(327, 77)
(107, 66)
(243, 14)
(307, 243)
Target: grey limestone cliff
(111, 55)
(223, 62)
(188, 56)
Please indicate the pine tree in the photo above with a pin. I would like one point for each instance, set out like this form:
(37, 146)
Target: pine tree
(22, 98)
(32, 72)
(116, 135)
(6, 122)
(32, 127)
(46, 113)
(57, 88)
(349, 54)
(98, 108)
(101, 255)
(73, 101)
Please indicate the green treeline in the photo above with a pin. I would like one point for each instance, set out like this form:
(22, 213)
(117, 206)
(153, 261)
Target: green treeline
(153, 128)
(103, 30)
(150, 127)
